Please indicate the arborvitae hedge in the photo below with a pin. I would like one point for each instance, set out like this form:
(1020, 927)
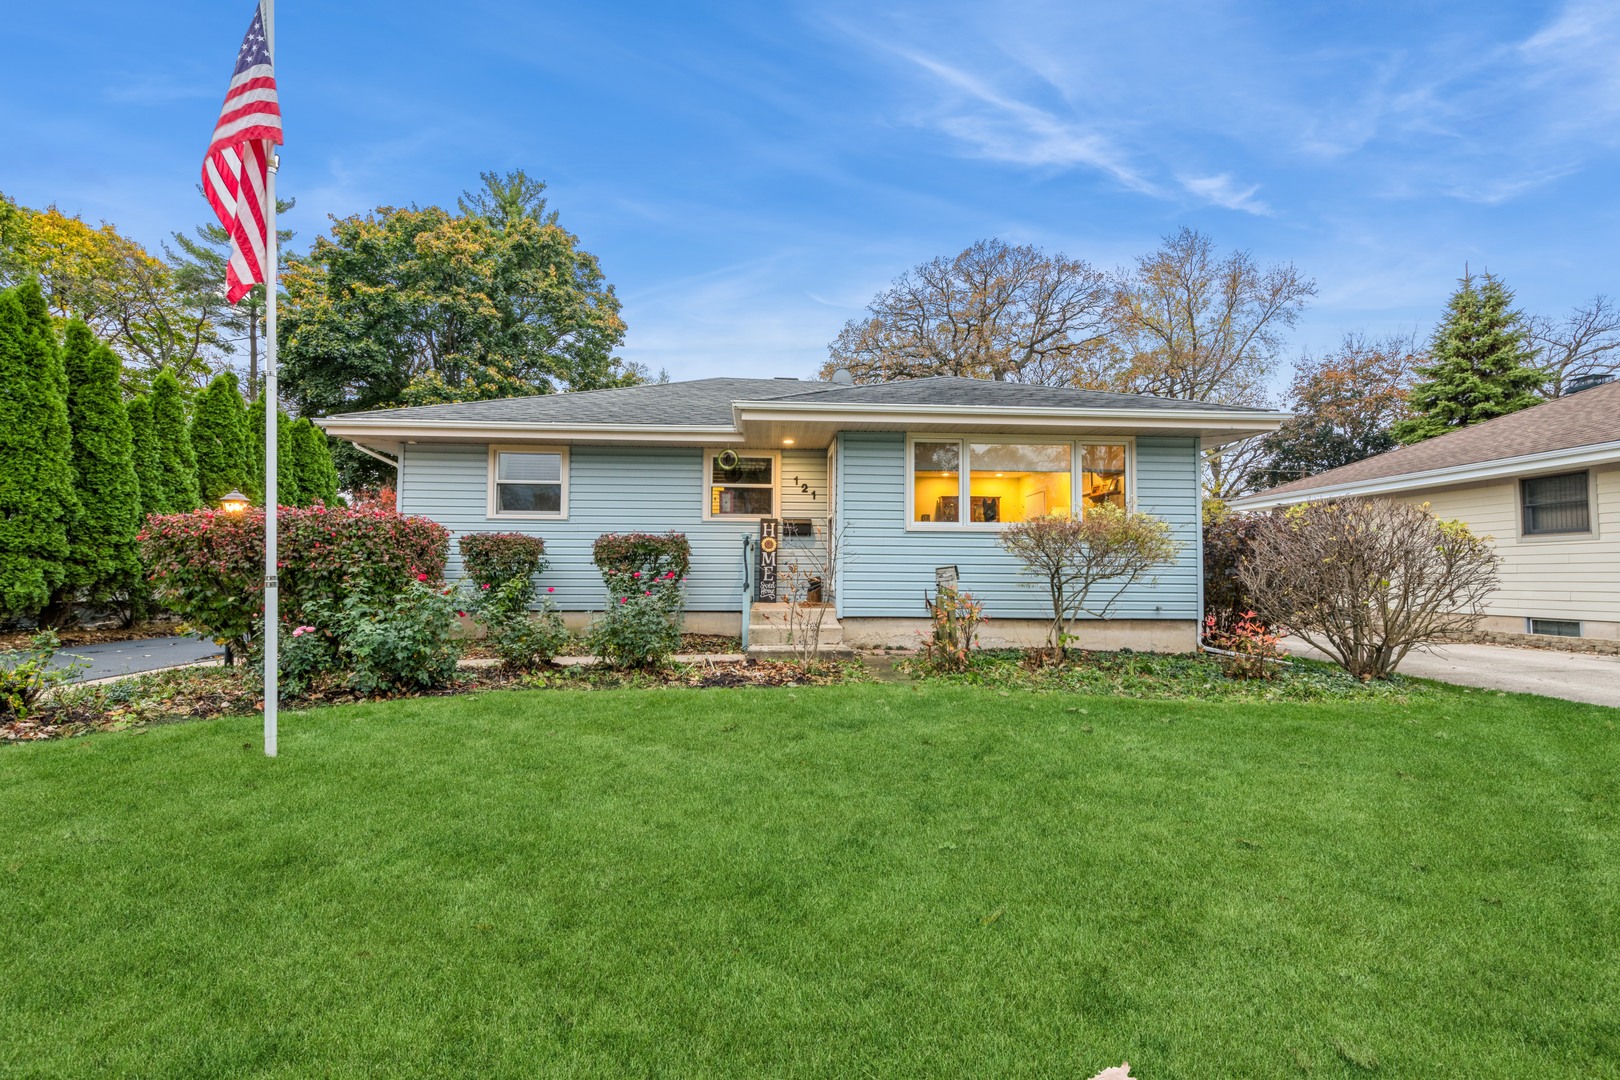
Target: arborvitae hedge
(219, 438)
(177, 465)
(317, 476)
(102, 559)
(139, 411)
(37, 501)
(286, 478)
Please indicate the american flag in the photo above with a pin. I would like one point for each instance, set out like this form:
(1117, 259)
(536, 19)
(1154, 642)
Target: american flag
(234, 174)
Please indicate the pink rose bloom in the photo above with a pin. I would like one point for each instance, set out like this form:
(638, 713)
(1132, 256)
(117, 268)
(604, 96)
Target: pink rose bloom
(483, 586)
(421, 577)
(551, 588)
(624, 600)
(636, 574)
(647, 593)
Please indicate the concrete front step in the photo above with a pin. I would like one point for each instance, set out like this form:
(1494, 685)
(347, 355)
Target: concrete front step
(769, 628)
(791, 652)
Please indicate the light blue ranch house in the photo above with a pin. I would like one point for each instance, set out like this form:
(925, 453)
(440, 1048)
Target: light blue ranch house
(913, 481)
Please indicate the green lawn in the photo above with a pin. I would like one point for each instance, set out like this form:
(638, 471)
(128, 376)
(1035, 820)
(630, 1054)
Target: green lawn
(835, 882)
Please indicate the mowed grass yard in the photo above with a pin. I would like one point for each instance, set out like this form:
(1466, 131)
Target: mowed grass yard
(848, 881)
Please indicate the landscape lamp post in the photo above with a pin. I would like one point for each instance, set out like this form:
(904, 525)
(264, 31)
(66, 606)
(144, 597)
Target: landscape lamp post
(233, 502)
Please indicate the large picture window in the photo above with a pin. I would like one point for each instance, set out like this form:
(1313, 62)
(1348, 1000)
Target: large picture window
(968, 482)
(528, 483)
(740, 483)
(1556, 504)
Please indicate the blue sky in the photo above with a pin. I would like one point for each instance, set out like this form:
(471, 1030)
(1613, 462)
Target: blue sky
(751, 174)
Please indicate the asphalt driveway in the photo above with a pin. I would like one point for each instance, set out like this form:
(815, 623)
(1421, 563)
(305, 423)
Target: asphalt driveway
(1572, 676)
(115, 658)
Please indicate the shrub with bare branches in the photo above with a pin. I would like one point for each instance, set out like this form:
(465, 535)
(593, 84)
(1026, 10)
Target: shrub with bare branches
(1368, 580)
(1080, 559)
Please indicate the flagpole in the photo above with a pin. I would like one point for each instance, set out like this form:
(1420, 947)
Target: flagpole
(272, 584)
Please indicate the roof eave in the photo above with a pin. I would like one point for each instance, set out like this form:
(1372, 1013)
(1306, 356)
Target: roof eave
(1499, 468)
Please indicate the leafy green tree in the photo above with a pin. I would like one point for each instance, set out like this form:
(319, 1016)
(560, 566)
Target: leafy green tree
(1481, 367)
(415, 306)
(504, 199)
(219, 438)
(148, 478)
(37, 500)
(102, 558)
(197, 267)
(176, 463)
(288, 493)
(312, 456)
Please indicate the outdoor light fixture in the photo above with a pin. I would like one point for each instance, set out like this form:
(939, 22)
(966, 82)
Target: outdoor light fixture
(233, 502)
(787, 442)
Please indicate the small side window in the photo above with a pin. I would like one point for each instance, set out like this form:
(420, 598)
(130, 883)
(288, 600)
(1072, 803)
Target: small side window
(1556, 504)
(529, 483)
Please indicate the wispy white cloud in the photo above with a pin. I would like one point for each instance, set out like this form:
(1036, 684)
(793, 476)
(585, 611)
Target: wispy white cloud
(1222, 190)
(1000, 126)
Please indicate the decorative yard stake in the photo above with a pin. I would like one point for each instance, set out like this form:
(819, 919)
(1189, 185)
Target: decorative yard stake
(239, 179)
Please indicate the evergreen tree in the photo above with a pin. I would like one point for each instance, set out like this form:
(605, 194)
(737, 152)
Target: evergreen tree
(37, 501)
(1481, 366)
(147, 476)
(176, 463)
(317, 475)
(102, 560)
(219, 438)
(288, 492)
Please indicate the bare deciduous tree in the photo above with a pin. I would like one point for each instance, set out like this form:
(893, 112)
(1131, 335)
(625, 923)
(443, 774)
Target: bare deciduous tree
(1074, 557)
(1205, 327)
(994, 311)
(1368, 580)
(806, 581)
(1585, 342)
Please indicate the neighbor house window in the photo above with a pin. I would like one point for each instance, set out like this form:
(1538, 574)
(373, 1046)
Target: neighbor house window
(741, 483)
(1556, 504)
(528, 483)
(978, 482)
(1556, 627)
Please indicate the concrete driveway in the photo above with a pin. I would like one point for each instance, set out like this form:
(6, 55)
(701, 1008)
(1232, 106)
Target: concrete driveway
(1572, 676)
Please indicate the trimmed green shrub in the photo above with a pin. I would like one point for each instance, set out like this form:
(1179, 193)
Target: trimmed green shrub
(144, 454)
(208, 566)
(171, 437)
(627, 558)
(493, 559)
(1228, 540)
(394, 643)
(315, 474)
(219, 439)
(102, 559)
(288, 492)
(37, 500)
(641, 627)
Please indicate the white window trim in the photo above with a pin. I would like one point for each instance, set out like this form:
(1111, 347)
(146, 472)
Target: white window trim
(966, 473)
(492, 509)
(709, 453)
(1589, 533)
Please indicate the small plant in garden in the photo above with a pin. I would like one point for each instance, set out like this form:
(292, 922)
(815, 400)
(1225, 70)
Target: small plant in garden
(954, 634)
(392, 643)
(1079, 559)
(27, 674)
(1250, 648)
(305, 653)
(625, 558)
(806, 579)
(640, 627)
(1368, 580)
(521, 638)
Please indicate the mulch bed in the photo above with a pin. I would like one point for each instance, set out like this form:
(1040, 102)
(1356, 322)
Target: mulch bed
(205, 693)
(19, 639)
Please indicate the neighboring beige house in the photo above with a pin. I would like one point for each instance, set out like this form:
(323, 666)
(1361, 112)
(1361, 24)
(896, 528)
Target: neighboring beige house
(1544, 482)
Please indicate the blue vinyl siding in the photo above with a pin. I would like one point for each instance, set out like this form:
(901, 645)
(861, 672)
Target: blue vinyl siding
(885, 570)
(611, 489)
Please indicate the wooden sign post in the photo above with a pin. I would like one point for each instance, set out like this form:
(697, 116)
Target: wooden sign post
(770, 539)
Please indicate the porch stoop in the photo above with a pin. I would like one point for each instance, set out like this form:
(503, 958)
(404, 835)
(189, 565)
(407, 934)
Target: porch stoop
(769, 634)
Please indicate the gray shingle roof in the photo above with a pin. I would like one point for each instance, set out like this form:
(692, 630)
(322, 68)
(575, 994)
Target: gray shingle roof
(1589, 418)
(956, 390)
(696, 403)
(708, 402)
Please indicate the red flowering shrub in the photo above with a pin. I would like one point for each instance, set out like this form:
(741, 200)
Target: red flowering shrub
(625, 558)
(208, 566)
(495, 558)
